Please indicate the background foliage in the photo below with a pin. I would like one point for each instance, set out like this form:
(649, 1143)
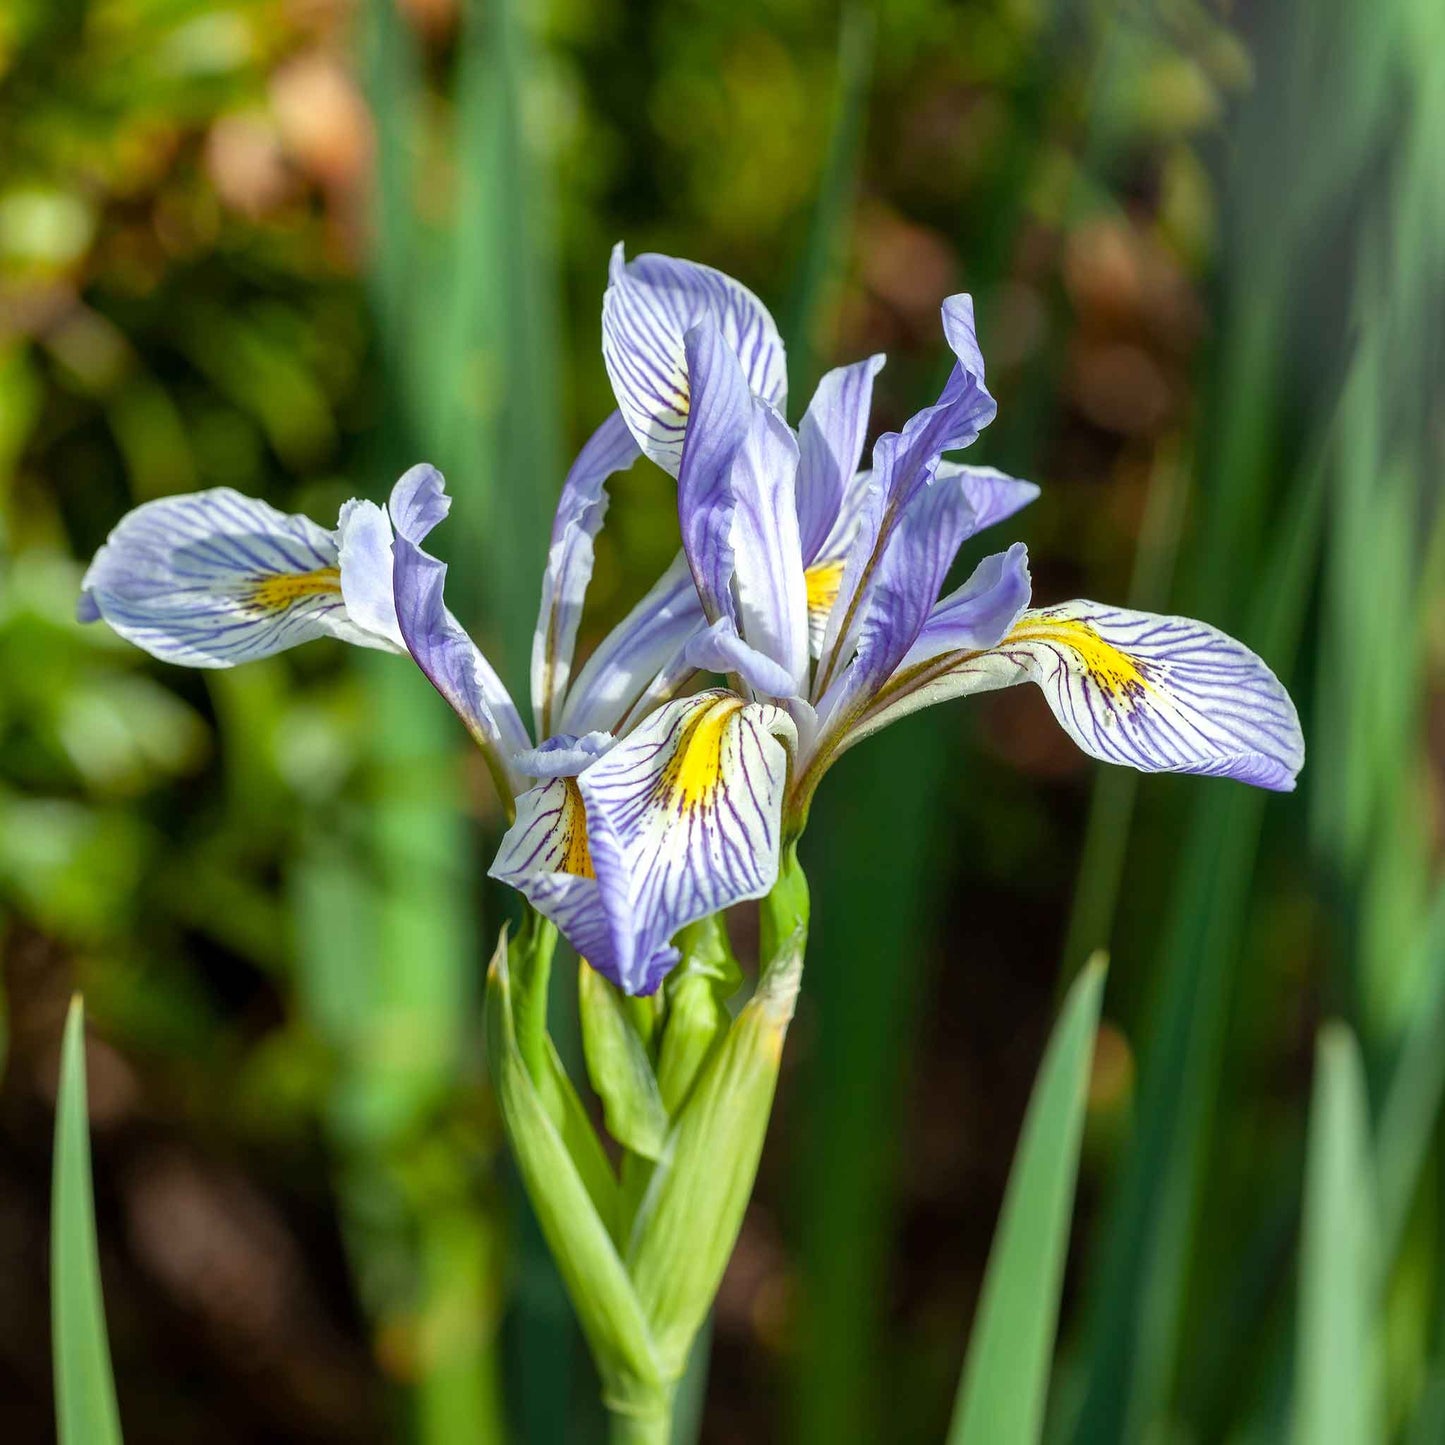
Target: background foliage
(293, 245)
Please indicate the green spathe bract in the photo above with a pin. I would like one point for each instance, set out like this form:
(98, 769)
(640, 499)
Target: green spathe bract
(85, 1405)
(642, 1256)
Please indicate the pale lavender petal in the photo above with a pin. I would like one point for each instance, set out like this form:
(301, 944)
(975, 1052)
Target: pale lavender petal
(630, 659)
(830, 440)
(418, 502)
(1161, 694)
(905, 584)
(977, 615)
(215, 578)
(563, 756)
(993, 495)
(363, 539)
(717, 427)
(450, 659)
(771, 593)
(720, 649)
(580, 510)
(651, 304)
(904, 463)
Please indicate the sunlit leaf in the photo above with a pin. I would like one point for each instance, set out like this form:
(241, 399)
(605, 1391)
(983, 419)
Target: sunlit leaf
(84, 1388)
(1004, 1390)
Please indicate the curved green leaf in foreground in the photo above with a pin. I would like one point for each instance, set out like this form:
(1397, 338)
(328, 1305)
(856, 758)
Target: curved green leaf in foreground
(85, 1405)
(1005, 1384)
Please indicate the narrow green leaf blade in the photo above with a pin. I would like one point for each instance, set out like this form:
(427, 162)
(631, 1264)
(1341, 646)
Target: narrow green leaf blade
(1334, 1384)
(84, 1388)
(1005, 1381)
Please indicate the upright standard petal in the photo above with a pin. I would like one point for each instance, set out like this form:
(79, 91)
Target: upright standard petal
(717, 428)
(768, 580)
(1161, 694)
(679, 820)
(830, 441)
(651, 304)
(903, 464)
(580, 511)
(215, 578)
(637, 652)
(902, 592)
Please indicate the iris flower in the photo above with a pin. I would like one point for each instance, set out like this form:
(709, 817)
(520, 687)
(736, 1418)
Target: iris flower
(666, 776)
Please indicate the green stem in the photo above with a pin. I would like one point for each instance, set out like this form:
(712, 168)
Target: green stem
(650, 1426)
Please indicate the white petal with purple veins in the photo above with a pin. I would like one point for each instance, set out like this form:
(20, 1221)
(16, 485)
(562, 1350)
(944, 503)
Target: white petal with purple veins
(684, 820)
(545, 856)
(678, 820)
(216, 578)
(1161, 694)
(651, 304)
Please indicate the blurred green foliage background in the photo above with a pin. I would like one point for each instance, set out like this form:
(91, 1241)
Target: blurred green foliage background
(291, 246)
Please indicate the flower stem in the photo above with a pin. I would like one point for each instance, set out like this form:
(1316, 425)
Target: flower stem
(650, 1426)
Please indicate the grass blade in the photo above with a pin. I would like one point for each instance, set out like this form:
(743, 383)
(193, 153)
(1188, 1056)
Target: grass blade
(827, 234)
(1334, 1394)
(1005, 1382)
(1139, 1289)
(1412, 1105)
(84, 1387)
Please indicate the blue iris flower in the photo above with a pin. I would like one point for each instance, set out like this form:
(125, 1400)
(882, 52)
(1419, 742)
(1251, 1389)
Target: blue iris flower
(665, 777)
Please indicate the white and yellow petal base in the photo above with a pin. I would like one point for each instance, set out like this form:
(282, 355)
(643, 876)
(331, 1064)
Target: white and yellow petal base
(1161, 694)
(215, 578)
(676, 822)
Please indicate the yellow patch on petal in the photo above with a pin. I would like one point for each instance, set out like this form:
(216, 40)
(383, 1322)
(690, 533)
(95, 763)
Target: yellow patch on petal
(694, 772)
(572, 834)
(823, 581)
(284, 589)
(1112, 669)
